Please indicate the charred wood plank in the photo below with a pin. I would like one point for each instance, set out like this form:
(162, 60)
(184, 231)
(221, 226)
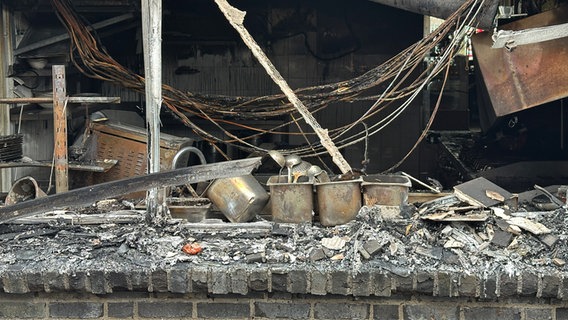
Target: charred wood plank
(72, 218)
(87, 195)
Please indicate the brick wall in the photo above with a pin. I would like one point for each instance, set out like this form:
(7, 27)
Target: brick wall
(188, 291)
(140, 305)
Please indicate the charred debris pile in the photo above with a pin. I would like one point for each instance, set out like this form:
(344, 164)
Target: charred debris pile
(479, 227)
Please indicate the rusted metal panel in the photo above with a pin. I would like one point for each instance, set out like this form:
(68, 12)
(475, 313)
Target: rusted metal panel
(529, 75)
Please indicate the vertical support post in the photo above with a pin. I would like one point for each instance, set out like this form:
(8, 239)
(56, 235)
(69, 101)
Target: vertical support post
(152, 38)
(60, 129)
(5, 86)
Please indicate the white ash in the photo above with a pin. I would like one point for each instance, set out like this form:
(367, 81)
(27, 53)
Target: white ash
(405, 244)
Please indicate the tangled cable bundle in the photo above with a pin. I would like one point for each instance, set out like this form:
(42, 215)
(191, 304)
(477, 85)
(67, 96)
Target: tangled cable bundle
(91, 59)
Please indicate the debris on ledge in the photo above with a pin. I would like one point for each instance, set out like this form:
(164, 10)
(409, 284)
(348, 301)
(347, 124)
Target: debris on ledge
(526, 239)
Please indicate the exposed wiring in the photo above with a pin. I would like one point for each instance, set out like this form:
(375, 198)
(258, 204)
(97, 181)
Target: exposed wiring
(403, 83)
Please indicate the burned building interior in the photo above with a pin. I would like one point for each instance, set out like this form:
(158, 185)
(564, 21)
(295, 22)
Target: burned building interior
(447, 146)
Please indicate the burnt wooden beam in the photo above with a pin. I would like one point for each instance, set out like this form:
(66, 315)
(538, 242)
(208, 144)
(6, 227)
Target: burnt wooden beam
(91, 194)
(152, 45)
(60, 158)
(236, 19)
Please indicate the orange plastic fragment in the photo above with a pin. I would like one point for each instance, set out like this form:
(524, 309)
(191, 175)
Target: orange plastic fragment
(192, 248)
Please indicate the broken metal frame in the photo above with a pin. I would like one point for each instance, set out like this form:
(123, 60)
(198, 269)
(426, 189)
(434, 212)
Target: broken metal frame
(60, 102)
(444, 8)
(99, 65)
(90, 194)
(97, 165)
(65, 36)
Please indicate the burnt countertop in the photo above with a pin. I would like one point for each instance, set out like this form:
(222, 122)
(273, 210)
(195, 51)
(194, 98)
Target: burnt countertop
(367, 256)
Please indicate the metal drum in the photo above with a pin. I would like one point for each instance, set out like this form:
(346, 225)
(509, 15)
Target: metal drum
(238, 198)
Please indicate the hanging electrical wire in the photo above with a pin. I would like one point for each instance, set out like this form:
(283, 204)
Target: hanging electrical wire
(403, 84)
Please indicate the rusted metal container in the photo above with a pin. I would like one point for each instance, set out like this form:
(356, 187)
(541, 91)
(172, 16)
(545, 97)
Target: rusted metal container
(127, 144)
(290, 202)
(191, 209)
(238, 198)
(385, 190)
(338, 201)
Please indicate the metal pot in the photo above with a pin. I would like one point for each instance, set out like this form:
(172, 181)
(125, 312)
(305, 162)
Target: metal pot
(290, 202)
(238, 198)
(338, 201)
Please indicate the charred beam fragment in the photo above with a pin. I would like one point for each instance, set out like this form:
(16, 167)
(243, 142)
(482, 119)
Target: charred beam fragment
(236, 19)
(87, 195)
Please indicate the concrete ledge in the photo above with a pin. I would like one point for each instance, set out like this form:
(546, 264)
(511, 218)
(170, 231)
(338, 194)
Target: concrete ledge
(298, 279)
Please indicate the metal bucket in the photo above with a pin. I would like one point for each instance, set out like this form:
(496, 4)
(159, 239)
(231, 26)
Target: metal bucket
(191, 209)
(385, 190)
(24, 189)
(238, 198)
(290, 202)
(338, 201)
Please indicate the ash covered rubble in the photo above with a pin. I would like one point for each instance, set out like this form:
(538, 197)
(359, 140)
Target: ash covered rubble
(436, 235)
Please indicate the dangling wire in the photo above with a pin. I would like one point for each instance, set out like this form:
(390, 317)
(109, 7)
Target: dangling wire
(399, 74)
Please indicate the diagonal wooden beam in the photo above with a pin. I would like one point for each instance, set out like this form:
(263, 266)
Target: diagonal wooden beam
(236, 18)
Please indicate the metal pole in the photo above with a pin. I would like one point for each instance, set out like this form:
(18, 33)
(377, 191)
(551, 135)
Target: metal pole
(6, 40)
(152, 32)
(60, 129)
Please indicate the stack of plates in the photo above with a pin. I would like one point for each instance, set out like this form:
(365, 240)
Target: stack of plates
(11, 147)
